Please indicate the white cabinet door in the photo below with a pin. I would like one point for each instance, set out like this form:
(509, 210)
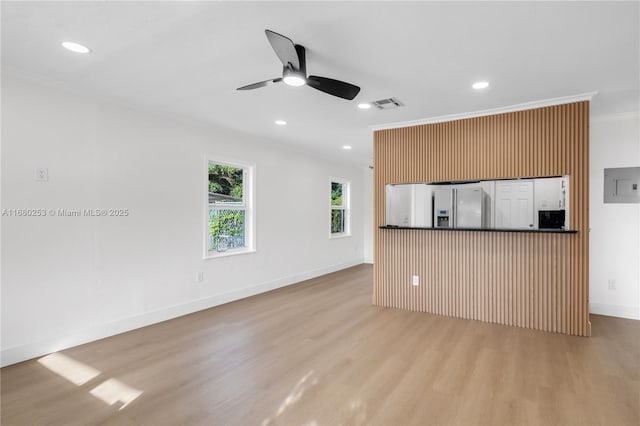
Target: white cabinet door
(514, 204)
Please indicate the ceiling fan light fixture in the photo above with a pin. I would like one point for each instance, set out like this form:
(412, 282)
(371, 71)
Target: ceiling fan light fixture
(294, 78)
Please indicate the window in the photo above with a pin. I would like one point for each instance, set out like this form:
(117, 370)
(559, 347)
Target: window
(339, 208)
(229, 209)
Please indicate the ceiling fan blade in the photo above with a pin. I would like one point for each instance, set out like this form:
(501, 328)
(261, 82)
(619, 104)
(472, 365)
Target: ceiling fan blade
(333, 87)
(260, 84)
(284, 48)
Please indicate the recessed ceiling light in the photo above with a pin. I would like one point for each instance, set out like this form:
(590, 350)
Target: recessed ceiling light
(346, 147)
(480, 85)
(280, 122)
(364, 105)
(75, 47)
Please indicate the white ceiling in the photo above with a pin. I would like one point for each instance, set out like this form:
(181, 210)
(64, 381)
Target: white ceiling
(186, 59)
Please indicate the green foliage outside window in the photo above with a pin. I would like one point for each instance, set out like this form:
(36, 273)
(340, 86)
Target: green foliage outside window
(225, 180)
(337, 215)
(226, 226)
(337, 221)
(336, 193)
(226, 229)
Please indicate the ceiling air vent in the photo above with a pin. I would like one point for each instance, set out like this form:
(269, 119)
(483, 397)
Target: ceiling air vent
(390, 103)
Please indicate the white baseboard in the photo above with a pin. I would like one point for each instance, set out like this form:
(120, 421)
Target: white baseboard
(32, 350)
(630, 312)
(368, 260)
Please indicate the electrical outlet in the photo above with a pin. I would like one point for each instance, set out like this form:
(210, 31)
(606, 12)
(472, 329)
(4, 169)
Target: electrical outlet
(416, 280)
(199, 277)
(612, 284)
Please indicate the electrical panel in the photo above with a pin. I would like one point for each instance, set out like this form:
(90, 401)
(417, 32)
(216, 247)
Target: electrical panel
(622, 185)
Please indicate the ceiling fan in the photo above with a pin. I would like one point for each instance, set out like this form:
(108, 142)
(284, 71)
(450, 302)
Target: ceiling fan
(294, 71)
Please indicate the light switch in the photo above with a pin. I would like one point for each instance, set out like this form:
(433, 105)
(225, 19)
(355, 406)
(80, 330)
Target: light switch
(42, 174)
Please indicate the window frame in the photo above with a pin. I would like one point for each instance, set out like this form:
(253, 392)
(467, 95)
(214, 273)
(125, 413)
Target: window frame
(345, 207)
(248, 205)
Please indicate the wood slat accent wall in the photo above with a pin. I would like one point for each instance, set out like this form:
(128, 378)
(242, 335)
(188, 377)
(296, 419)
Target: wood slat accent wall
(538, 281)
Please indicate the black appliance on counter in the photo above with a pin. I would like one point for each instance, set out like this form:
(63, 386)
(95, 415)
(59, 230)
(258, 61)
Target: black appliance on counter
(551, 219)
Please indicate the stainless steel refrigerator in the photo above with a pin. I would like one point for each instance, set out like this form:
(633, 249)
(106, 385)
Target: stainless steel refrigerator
(443, 208)
(459, 208)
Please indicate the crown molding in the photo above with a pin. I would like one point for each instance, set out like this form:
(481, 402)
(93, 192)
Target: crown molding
(493, 111)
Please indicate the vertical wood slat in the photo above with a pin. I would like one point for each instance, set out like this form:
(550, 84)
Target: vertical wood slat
(537, 281)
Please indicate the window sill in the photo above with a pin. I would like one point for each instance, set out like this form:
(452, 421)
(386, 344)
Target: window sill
(216, 255)
(335, 236)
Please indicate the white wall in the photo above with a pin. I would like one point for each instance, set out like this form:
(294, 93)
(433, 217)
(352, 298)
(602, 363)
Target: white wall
(615, 228)
(368, 215)
(68, 280)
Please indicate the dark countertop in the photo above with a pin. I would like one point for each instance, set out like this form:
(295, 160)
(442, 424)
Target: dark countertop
(535, 231)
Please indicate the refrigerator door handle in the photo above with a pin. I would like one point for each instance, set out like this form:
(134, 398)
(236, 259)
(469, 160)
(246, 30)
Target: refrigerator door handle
(454, 208)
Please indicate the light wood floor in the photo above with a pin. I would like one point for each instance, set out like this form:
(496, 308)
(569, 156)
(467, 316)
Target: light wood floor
(318, 353)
